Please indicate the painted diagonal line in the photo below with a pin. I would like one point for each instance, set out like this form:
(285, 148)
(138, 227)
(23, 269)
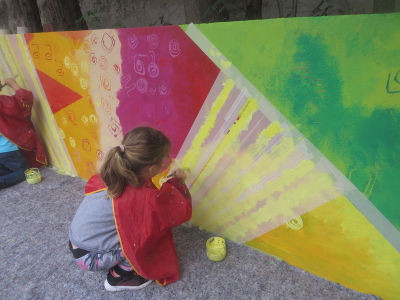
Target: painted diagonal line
(345, 186)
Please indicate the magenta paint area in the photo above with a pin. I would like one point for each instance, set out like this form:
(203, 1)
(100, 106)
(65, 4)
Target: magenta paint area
(164, 82)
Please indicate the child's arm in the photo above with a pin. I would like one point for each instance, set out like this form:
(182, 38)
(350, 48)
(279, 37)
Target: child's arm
(19, 105)
(173, 203)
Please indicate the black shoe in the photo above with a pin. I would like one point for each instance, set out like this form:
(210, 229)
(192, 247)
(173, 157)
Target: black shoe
(127, 280)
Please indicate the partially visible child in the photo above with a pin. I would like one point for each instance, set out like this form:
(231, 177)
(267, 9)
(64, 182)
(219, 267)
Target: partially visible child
(18, 139)
(124, 223)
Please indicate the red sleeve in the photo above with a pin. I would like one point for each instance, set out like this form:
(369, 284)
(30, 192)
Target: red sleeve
(17, 106)
(173, 204)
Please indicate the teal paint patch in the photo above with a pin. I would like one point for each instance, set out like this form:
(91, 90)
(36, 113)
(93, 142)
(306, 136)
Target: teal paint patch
(329, 77)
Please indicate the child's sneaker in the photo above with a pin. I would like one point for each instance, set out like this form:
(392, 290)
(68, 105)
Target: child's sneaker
(119, 280)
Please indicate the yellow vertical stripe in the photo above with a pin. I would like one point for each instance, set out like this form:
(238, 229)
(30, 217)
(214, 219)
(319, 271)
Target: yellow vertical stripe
(16, 62)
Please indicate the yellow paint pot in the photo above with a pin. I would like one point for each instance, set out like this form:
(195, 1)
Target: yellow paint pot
(216, 248)
(33, 176)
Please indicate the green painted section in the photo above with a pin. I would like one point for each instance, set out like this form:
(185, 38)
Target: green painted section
(337, 79)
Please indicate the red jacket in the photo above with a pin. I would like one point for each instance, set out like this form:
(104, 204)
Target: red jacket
(144, 218)
(16, 126)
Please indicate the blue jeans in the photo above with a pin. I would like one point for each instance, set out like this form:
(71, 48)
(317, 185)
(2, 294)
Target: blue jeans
(12, 167)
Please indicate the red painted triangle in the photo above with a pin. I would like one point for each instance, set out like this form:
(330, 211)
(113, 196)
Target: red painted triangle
(58, 95)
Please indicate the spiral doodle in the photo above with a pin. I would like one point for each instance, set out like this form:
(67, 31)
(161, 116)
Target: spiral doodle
(86, 145)
(85, 120)
(105, 83)
(94, 40)
(35, 51)
(67, 62)
(141, 85)
(60, 69)
(93, 119)
(72, 142)
(84, 83)
(75, 69)
(163, 89)
(138, 65)
(296, 223)
(133, 42)
(153, 70)
(117, 68)
(174, 48)
(99, 154)
(93, 58)
(153, 41)
(114, 127)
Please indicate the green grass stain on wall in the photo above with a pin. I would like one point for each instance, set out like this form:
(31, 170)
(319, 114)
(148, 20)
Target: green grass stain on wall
(335, 79)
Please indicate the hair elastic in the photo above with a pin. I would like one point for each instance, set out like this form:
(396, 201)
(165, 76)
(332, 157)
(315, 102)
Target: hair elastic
(122, 148)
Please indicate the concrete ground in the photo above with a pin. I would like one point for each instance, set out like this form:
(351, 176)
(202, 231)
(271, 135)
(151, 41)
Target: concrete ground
(35, 262)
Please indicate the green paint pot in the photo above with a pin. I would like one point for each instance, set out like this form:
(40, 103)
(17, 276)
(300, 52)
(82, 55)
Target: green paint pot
(216, 248)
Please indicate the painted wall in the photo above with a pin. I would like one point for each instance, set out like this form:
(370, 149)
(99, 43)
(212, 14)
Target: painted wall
(289, 127)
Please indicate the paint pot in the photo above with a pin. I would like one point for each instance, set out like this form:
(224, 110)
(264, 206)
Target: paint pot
(216, 248)
(33, 176)
(296, 223)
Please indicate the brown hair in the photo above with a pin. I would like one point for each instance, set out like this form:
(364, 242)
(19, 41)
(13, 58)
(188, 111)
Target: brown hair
(141, 147)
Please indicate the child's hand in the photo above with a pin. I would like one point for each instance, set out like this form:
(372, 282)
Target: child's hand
(12, 83)
(178, 173)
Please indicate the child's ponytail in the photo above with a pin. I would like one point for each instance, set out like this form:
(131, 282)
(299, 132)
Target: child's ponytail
(141, 147)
